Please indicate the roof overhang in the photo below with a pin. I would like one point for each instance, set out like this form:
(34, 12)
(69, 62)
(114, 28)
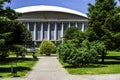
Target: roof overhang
(49, 8)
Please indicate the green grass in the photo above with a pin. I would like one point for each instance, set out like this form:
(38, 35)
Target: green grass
(29, 53)
(37, 52)
(113, 53)
(101, 69)
(111, 66)
(23, 66)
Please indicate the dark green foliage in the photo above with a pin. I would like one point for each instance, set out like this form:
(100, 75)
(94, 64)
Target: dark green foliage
(19, 50)
(75, 34)
(21, 35)
(11, 32)
(86, 54)
(47, 47)
(104, 22)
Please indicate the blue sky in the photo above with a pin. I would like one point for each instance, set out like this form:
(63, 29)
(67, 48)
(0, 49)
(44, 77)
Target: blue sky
(79, 5)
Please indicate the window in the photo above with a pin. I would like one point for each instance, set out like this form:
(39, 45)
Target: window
(58, 31)
(45, 31)
(79, 25)
(52, 28)
(65, 25)
(85, 27)
(38, 31)
(31, 27)
(72, 24)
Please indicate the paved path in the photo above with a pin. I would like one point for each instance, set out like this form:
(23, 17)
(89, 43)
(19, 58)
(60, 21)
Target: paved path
(49, 68)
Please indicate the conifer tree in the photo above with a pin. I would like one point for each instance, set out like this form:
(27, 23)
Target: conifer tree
(104, 23)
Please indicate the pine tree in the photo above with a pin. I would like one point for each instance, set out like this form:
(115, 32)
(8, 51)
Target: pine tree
(10, 30)
(104, 22)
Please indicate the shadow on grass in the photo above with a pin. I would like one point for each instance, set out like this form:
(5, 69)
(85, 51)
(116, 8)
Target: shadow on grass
(86, 66)
(113, 57)
(109, 60)
(18, 69)
(13, 60)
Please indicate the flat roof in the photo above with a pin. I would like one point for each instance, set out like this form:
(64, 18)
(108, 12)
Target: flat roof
(49, 8)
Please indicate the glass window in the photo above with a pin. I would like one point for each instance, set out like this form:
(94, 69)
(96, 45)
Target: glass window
(31, 27)
(38, 31)
(85, 28)
(72, 24)
(79, 25)
(58, 31)
(45, 31)
(65, 26)
(52, 29)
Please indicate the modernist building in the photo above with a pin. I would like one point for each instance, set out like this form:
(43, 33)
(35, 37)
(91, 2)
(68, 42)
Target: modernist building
(50, 22)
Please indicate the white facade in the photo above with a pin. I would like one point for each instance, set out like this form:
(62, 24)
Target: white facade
(49, 22)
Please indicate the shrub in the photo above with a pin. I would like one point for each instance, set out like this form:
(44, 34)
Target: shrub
(47, 47)
(86, 54)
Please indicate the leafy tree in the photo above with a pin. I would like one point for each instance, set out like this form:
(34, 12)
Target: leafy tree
(104, 22)
(74, 34)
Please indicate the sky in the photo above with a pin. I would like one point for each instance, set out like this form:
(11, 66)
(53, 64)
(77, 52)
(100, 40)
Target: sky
(78, 5)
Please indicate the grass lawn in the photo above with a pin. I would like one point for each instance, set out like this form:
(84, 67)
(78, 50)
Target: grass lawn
(113, 53)
(37, 52)
(111, 66)
(23, 66)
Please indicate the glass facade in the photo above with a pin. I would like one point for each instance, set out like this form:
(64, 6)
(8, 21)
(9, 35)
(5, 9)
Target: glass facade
(38, 31)
(85, 27)
(52, 29)
(65, 25)
(72, 24)
(59, 26)
(79, 25)
(45, 31)
(31, 27)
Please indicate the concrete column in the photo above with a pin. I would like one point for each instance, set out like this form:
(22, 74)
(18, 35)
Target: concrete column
(55, 32)
(76, 24)
(34, 31)
(41, 31)
(62, 30)
(48, 31)
(69, 24)
(28, 25)
(83, 26)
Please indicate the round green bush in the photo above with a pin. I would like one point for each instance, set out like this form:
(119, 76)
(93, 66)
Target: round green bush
(47, 47)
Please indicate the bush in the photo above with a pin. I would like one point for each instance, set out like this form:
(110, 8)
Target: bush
(86, 54)
(47, 47)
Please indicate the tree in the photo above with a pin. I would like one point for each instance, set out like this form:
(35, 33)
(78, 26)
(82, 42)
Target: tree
(11, 32)
(74, 34)
(21, 35)
(104, 22)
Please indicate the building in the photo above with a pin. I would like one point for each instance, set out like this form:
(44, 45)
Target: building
(49, 22)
